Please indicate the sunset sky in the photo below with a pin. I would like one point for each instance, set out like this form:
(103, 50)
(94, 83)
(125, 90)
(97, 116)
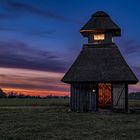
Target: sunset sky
(40, 39)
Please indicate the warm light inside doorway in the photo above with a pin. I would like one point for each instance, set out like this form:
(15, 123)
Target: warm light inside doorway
(104, 94)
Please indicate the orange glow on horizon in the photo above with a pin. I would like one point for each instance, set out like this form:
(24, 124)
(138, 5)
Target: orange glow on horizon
(37, 93)
(37, 83)
(32, 82)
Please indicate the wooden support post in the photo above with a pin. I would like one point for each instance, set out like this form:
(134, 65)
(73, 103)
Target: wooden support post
(71, 97)
(126, 97)
(112, 104)
(97, 96)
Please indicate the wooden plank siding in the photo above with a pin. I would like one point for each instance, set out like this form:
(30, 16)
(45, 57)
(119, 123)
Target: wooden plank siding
(120, 99)
(126, 97)
(83, 99)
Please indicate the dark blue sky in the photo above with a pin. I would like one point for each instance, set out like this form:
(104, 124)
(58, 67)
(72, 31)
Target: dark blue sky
(44, 34)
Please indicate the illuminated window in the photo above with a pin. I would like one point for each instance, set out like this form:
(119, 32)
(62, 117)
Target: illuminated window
(99, 37)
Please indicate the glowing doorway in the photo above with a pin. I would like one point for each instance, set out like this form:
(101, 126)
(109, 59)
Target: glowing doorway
(104, 99)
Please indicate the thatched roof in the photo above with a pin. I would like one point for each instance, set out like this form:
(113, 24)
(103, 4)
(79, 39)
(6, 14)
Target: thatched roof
(100, 63)
(100, 21)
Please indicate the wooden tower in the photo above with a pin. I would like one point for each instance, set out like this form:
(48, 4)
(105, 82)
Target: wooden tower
(99, 77)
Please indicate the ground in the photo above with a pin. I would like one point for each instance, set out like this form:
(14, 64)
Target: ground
(49, 119)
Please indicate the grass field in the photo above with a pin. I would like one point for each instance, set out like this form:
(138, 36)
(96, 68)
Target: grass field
(134, 103)
(49, 119)
(17, 102)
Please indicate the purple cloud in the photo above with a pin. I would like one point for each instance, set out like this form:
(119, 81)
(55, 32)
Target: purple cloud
(129, 47)
(34, 87)
(136, 69)
(20, 55)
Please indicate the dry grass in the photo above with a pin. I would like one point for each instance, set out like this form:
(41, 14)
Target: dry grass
(57, 123)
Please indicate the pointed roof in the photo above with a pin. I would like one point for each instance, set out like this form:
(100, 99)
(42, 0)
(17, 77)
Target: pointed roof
(100, 14)
(100, 63)
(100, 21)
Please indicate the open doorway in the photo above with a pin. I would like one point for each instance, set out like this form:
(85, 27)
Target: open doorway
(105, 98)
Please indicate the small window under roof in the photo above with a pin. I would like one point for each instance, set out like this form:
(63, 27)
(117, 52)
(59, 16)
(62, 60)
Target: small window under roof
(99, 37)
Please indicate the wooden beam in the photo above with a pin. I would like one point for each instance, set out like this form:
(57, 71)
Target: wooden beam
(97, 96)
(112, 96)
(71, 97)
(126, 97)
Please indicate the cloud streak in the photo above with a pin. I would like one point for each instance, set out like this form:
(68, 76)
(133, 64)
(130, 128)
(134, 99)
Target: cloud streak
(22, 80)
(25, 8)
(136, 69)
(129, 47)
(31, 32)
(20, 55)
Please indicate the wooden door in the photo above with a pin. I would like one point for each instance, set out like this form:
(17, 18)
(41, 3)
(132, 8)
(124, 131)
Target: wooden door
(104, 98)
(83, 97)
(92, 98)
(119, 91)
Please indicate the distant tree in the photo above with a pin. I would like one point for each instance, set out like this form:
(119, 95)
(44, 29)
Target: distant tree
(12, 95)
(134, 95)
(2, 94)
(20, 95)
(66, 97)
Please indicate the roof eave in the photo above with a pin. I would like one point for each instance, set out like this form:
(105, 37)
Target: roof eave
(115, 32)
(128, 82)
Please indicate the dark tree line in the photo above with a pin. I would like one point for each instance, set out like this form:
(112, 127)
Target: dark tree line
(2, 94)
(134, 96)
(20, 95)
